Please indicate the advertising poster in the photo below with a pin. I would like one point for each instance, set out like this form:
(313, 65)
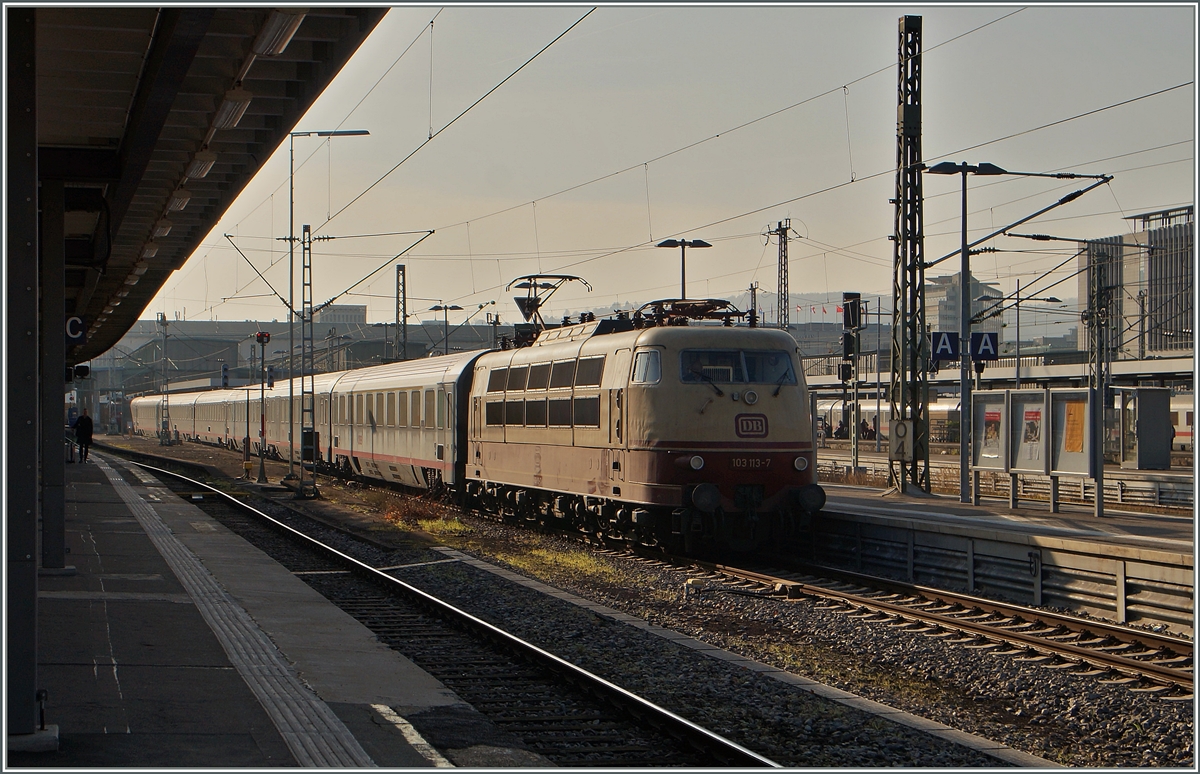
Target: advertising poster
(1031, 435)
(1068, 432)
(1073, 426)
(991, 434)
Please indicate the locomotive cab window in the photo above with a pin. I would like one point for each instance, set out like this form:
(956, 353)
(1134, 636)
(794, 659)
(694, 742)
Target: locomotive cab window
(733, 366)
(647, 367)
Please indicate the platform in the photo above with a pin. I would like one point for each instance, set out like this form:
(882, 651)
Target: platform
(177, 644)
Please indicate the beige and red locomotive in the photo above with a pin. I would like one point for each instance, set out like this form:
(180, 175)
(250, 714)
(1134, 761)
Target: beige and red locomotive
(670, 434)
(687, 436)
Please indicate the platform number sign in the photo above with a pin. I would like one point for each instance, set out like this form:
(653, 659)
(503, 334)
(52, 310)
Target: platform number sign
(985, 346)
(900, 437)
(944, 346)
(76, 331)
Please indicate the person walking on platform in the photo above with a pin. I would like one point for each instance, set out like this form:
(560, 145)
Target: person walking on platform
(83, 434)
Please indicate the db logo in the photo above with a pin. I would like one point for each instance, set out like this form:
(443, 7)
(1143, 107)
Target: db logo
(751, 425)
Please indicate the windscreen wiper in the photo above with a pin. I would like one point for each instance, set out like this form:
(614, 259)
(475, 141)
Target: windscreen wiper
(708, 379)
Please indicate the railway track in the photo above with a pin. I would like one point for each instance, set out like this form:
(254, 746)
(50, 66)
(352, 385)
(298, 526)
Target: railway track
(1145, 661)
(560, 711)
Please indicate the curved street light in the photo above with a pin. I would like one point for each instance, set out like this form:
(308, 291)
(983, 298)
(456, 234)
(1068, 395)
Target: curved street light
(683, 245)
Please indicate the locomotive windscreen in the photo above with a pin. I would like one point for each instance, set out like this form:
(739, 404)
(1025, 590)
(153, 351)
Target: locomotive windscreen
(735, 366)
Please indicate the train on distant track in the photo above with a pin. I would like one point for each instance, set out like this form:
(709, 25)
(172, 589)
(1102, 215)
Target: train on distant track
(693, 437)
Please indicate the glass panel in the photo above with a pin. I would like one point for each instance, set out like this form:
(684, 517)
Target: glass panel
(414, 416)
(497, 379)
(391, 409)
(769, 367)
(494, 413)
(590, 371)
(587, 412)
(647, 367)
(379, 408)
(401, 410)
(441, 409)
(514, 412)
(539, 376)
(710, 365)
(560, 413)
(563, 374)
(358, 410)
(535, 413)
(430, 409)
(516, 377)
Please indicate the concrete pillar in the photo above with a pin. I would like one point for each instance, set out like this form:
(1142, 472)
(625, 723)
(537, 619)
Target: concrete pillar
(53, 351)
(21, 434)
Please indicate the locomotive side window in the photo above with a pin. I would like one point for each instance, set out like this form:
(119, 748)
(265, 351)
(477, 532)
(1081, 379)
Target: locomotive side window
(535, 411)
(514, 412)
(589, 372)
(539, 376)
(563, 374)
(517, 377)
(560, 413)
(494, 414)
(647, 367)
(497, 380)
(587, 412)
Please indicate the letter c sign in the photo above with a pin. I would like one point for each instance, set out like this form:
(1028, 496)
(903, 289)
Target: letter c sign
(76, 330)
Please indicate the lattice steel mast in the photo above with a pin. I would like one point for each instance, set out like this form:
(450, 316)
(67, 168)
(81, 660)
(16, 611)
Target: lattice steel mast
(909, 393)
(307, 487)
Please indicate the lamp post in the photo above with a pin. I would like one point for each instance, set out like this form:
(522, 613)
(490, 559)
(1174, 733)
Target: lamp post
(683, 245)
(445, 309)
(292, 274)
(964, 331)
(262, 337)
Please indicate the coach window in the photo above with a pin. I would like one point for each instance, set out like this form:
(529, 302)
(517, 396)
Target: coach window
(441, 409)
(341, 409)
(497, 380)
(379, 417)
(401, 409)
(517, 377)
(563, 374)
(535, 413)
(560, 412)
(414, 416)
(647, 367)
(494, 413)
(589, 372)
(539, 376)
(391, 409)
(359, 415)
(430, 409)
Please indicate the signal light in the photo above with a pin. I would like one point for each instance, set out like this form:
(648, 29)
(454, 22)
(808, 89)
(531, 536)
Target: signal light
(224, 376)
(262, 337)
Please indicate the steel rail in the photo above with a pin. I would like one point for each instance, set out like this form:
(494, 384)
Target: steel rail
(1108, 661)
(728, 752)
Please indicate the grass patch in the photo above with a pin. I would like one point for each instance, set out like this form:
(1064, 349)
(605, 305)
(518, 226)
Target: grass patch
(444, 527)
(547, 565)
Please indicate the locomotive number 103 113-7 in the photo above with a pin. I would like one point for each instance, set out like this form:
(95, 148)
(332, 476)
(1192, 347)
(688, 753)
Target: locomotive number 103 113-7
(751, 463)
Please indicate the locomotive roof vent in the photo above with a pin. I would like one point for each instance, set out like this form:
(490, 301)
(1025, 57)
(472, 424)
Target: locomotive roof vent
(592, 327)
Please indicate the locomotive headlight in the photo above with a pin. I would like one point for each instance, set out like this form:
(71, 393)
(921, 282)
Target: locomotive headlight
(697, 462)
(801, 463)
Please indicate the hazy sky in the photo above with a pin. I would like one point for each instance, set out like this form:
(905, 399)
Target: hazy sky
(658, 101)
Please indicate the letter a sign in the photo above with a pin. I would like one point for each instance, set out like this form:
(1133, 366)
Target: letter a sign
(945, 346)
(984, 346)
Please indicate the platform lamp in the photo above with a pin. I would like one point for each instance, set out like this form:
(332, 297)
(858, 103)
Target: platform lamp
(445, 309)
(964, 331)
(292, 259)
(683, 245)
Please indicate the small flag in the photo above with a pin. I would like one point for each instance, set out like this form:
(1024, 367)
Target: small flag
(824, 310)
(814, 309)
(839, 310)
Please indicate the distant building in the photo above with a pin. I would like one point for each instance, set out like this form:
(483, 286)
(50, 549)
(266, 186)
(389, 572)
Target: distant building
(1150, 286)
(944, 313)
(341, 313)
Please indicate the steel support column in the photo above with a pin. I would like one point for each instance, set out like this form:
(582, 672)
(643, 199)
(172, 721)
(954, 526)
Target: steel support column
(21, 383)
(53, 356)
(909, 390)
